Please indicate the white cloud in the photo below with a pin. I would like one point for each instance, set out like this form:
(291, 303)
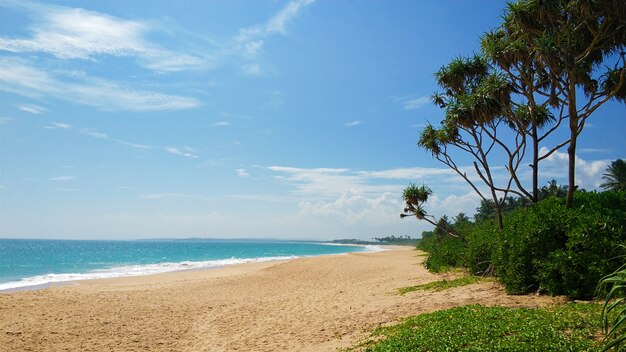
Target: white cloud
(353, 208)
(74, 33)
(251, 49)
(252, 70)
(353, 123)
(32, 109)
(277, 24)
(22, 78)
(58, 126)
(330, 182)
(104, 136)
(242, 173)
(221, 123)
(62, 178)
(186, 152)
(588, 173)
(161, 196)
(411, 102)
(4, 120)
(250, 40)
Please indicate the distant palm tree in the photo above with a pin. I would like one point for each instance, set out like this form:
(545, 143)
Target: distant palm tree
(615, 176)
(552, 189)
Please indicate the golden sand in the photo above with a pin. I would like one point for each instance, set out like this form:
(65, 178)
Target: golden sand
(308, 304)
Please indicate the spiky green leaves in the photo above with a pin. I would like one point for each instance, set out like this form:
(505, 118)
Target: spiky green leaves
(415, 197)
(614, 310)
(615, 176)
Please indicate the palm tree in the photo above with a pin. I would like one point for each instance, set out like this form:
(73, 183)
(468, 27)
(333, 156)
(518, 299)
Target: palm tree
(615, 176)
(553, 189)
(415, 197)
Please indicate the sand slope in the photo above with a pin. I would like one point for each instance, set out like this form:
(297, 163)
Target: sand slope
(310, 304)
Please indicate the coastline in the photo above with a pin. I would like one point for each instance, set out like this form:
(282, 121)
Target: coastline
(310, 304)
(51, 279)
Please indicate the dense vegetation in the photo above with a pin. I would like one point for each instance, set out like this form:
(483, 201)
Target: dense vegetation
(388, 240)
(544, 247)
(542, 73)
(477, 328)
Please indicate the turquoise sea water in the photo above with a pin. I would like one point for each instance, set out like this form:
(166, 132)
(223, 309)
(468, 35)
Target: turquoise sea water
(26, 263)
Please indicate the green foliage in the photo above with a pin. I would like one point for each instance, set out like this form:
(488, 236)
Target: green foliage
(477, 328)
(415, 197)
(443, 284)
(543, 246)
(614, 309)
(482, 242)
(564, 251)
(447, 253)
(615, 176)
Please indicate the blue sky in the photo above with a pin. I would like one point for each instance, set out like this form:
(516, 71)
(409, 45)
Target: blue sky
(283, 119)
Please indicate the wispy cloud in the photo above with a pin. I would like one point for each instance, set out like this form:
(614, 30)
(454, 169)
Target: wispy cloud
(62, 178)
(4, 120)
(252, 69)
(20, 77)
(32, 109)
(75, 33)
(161, 196)
(186, 152)
(250, 40)
(331, 182)
(242, 173)
(104, 136)
(221, 124)
(353, 123)
(412, 102)
(58, 126)
(276, 25)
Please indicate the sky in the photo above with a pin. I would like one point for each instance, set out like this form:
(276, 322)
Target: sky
(227, 119)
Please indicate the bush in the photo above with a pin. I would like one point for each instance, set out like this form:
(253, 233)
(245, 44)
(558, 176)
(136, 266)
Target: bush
(483, 240)
(446, 253)
(564, 251)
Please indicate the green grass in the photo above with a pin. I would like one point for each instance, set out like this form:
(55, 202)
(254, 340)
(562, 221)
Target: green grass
(571, 327)
(443, 284)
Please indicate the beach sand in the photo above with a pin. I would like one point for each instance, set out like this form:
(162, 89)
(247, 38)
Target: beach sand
(307, 304)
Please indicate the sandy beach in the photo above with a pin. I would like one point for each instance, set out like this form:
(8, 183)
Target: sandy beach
(308, 304)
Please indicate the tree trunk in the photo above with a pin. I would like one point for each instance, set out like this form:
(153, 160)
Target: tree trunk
(571, 150)
(535, 165)
(499, 216)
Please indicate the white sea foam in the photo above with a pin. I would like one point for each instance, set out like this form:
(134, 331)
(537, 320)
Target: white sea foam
(131, 270)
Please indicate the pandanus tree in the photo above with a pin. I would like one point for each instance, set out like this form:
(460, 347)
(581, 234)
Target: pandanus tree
(615, 176)
(556, 49)
(475, 100)
(415, 197)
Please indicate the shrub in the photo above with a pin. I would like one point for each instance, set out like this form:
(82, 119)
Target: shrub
(446, 253)
(564, 251)
(483, 240)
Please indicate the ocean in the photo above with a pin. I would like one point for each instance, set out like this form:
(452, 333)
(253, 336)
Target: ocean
(26, 263)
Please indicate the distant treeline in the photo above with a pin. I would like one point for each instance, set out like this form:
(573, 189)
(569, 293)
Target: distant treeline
(394, 240)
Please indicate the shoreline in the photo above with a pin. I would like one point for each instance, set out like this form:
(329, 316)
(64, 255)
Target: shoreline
(20, 286)
(307, 304)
